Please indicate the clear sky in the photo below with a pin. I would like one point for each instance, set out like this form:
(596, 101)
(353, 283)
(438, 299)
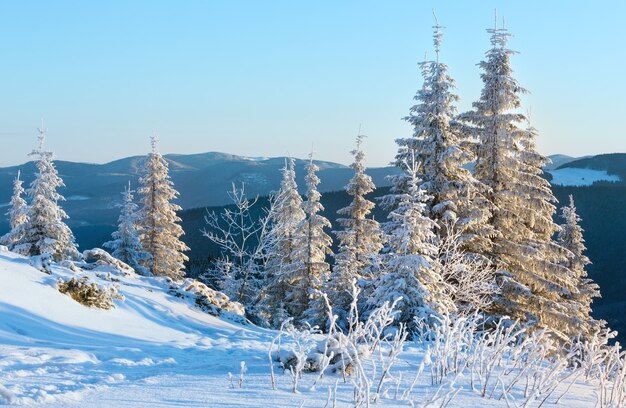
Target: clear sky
(269, 78)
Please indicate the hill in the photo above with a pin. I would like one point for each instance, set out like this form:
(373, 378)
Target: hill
(156, 348)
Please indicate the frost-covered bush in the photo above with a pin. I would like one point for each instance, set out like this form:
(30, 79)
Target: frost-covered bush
(348, 353)
(99, 257)
(211, 301)
(89, 293)
(42, 262)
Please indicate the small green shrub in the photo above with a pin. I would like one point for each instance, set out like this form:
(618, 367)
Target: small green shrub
(89, 293)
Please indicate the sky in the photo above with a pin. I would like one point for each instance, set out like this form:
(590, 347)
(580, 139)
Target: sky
(276, 78)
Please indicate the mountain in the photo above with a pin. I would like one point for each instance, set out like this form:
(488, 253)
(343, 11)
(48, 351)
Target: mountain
(93, 190)
(557, 160)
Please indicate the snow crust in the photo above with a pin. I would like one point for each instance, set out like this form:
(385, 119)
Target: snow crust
(572, 176)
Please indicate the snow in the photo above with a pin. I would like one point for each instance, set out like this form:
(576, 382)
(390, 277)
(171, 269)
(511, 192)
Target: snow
(77, 198)
(256, 158)
(573, 176)
(156, 350)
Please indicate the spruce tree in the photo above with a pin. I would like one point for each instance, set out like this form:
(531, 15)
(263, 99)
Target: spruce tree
(16, 214)
(571, 238)
(442, 149)
(532, 279)
(408, 271)
(285, 215)
(309, 271)
(44, 231)
(126, 245)
(158, 221)
(360, 240)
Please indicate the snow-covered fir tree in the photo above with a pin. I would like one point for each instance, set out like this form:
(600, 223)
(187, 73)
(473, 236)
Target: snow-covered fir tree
(533, 279)
(308, 270)
(126, 244)
(285, 216)
(16, 214)
(571, 238)
(44, 231)
(360, 240)
(408, 271)
(157, 220)
(443, 149)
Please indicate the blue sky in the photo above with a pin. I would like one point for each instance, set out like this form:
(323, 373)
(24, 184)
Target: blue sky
(269, 78)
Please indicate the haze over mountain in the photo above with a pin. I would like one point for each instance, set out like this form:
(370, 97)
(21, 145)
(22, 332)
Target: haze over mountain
(93, 190)
(204, 180)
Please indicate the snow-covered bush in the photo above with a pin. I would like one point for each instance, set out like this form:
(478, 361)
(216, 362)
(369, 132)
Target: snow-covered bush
(89, 293)
(242, 241)
(471, 278)
(211, 301)
(348, 354)
(97, 257)
(42, 262)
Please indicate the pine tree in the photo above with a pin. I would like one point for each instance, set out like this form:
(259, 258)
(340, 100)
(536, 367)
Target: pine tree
(309, 271)
(571, 238)
(44, 232)
(285, 216)
(533, 279)
(16, 214)
(408, 270)
(158, 221)
(360, 241)
(126, 245)
(442, 149)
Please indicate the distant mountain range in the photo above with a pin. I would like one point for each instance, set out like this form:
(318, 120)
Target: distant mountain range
(204, 180)
(93, 190)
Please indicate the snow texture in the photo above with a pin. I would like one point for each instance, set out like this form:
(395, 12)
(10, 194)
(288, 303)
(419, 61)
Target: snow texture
(572, 176)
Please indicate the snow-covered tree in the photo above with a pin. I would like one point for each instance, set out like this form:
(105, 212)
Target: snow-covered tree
(126, 244)
(360, 240)
(571, 238)
(241, 238)
(44, 231)
(157, 219)
(407, 267)
(16, 214)
(442, 148)
(285, 216)
(308, 270)
(533, 279)
(472, 279)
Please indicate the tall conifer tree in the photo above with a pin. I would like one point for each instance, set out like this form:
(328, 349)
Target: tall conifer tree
(126, 244)
(285, 216)
(16, 214)
(158, 221)
(442, 149)
(309, 270)
(571, 238)
(532, 277)
(44, 231)
(360, 240)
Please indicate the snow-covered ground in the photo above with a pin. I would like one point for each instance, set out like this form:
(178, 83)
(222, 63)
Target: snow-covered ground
(573, 176)
(158, 350)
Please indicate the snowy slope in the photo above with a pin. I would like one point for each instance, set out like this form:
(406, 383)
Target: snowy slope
(158, 350)
(53, 349)
(573, 176)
